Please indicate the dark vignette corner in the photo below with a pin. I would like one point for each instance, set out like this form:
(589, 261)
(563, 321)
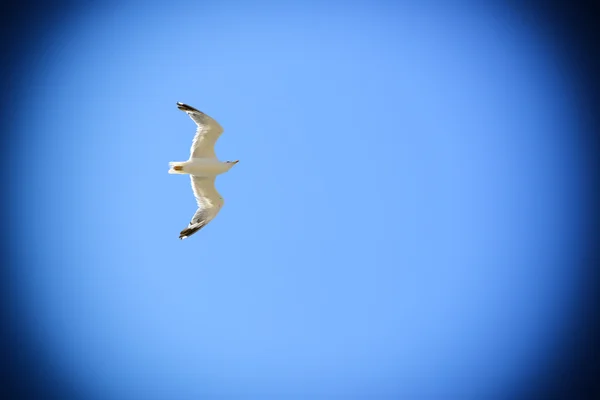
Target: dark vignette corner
(22, 23)
(574, 26)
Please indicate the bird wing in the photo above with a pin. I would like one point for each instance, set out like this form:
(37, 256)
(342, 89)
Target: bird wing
(207, 133)
(209, 204)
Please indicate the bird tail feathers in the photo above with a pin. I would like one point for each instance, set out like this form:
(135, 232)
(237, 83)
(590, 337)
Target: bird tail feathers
(177, 167)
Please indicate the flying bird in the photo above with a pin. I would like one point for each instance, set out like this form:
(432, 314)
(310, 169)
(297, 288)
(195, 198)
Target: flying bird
(203, 168)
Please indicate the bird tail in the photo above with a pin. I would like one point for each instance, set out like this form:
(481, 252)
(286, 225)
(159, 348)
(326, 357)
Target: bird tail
(177, 167)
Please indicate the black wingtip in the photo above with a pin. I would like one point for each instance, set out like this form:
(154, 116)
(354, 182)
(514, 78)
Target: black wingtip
(185, 107)
(190, 230)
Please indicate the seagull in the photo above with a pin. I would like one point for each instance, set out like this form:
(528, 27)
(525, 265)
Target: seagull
(203, 168)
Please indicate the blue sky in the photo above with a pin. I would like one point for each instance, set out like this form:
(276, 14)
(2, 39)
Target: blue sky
(404, 218)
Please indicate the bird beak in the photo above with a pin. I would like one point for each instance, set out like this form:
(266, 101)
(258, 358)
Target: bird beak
(236, 161)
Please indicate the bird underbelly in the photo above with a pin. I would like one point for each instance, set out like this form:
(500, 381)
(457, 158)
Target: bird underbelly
(208, 168)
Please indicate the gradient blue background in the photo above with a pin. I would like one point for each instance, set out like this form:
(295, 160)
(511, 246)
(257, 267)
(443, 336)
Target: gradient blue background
(405, 221)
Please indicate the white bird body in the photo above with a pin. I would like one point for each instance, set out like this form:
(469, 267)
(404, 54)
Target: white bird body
(203, 167)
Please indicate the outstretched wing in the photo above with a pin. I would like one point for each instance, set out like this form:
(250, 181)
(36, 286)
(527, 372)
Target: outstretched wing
(207, 133)
(209, 204)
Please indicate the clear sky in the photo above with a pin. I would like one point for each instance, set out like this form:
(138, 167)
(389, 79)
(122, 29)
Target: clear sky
(403, 220)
